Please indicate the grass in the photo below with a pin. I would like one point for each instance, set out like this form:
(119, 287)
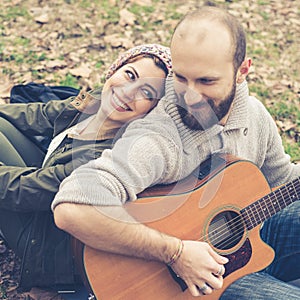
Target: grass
(70, 80)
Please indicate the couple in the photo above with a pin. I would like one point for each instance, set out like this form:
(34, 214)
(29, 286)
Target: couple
(206, 110)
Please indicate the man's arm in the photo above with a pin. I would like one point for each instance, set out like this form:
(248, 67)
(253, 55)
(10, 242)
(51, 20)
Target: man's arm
(146, 154)
(112, 229)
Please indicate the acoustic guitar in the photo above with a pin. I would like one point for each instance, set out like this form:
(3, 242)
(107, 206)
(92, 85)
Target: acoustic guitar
(222, 203)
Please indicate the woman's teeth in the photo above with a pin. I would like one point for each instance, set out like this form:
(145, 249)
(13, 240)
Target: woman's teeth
(119, 103)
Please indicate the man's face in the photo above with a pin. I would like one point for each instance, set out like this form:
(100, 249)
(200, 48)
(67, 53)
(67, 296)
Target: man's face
(204, 78)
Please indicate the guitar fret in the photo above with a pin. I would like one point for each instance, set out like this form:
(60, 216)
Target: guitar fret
(247, 218)
(295, 190)
(260, 212)
(262, 209)
(282, 197)
(272, 209)
(253, 214)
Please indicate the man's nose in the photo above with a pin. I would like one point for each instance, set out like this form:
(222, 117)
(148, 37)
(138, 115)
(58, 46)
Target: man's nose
(192, 96)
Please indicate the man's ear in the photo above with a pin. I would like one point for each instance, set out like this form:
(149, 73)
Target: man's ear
(243, 70)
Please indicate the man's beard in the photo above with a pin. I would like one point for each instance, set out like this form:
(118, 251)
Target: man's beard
(197, 120)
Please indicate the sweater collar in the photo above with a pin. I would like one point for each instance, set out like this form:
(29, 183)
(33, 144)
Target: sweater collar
(237, 119)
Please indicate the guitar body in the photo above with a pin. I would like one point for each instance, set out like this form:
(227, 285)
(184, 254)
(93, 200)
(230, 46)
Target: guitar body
(192, 209)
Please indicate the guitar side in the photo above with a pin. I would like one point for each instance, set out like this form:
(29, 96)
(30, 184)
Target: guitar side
(237, 185)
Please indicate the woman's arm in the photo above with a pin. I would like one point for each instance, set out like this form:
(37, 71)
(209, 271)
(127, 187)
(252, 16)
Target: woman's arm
(34, 118)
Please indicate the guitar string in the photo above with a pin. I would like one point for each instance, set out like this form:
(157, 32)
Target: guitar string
(269, 199)
(235, 236)
(236, 220)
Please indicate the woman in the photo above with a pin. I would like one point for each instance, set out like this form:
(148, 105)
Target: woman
(82, 128)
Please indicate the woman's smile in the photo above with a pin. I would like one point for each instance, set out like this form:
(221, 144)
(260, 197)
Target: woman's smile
(118, 104)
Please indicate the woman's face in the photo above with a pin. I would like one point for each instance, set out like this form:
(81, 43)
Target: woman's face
(133, 90)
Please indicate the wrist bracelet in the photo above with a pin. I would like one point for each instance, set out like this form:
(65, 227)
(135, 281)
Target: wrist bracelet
(177, 254)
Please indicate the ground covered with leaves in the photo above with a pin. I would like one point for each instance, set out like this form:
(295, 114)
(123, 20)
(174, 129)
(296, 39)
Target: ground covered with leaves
(71, 42)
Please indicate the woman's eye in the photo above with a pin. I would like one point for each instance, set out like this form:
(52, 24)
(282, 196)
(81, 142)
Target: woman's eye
(148, 94)
(130, 75)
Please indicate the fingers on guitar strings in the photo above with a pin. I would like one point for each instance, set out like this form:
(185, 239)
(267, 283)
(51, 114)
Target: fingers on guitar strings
(220, 272)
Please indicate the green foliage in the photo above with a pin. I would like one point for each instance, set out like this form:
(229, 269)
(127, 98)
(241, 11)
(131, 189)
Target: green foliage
(70, 80)
(263, 2)
(259, 90)
(285, 110)
(111, 12)
(293, 149)
(13, 12)
(99, 64)
(139, 9)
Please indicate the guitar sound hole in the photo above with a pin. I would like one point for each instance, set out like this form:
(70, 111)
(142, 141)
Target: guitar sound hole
(226, 230)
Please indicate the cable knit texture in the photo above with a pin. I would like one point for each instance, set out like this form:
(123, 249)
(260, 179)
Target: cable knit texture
(160, 149)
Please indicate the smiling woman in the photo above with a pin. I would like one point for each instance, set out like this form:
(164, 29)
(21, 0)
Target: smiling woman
(131, 92)
(81, 128)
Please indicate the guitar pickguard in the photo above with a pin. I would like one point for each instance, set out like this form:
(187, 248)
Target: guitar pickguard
(239, 258)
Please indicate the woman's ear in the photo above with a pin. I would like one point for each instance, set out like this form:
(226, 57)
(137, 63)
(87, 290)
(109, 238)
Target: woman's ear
(243, 70)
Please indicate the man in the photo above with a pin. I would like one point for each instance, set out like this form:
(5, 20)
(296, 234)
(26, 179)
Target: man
(206, 110)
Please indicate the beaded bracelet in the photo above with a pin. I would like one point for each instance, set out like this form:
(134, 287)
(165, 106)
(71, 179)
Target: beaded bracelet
(177, 254)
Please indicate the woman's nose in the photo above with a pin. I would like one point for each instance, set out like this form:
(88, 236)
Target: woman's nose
(129, 91)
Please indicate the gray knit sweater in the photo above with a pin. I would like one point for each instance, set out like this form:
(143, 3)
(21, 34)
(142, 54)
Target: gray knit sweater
(160, 149)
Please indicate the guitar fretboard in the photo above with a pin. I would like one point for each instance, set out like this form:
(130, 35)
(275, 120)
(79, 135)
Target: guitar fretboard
(269, 205)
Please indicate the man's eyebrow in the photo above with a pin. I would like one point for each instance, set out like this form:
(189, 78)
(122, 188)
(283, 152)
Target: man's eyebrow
(178, 75)
(205, 77)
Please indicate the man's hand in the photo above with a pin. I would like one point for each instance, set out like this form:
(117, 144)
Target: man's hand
(200, 267)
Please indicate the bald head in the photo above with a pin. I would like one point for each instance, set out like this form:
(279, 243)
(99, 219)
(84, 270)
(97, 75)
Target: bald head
(213, 25)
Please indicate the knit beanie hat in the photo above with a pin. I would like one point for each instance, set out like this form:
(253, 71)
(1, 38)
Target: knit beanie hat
(161, 52)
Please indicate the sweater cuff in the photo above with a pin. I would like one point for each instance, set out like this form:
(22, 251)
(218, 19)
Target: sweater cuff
(88, 190)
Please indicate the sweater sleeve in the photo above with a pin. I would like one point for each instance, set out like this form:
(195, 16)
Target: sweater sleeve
(147, 153)
(277, 165)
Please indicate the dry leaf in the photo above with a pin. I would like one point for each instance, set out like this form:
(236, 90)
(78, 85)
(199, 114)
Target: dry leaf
(116, 41)
(5, 86)
(43, 19)
(52, 64)
(126, 17)
(82, 71)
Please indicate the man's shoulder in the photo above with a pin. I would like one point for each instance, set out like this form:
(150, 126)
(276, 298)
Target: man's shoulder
(157, 120)
(257, 107)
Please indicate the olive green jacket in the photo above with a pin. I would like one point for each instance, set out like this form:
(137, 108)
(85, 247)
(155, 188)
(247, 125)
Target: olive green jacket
(31, 190)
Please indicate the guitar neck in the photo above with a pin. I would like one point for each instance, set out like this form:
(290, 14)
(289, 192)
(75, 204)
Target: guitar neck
(269, 205)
